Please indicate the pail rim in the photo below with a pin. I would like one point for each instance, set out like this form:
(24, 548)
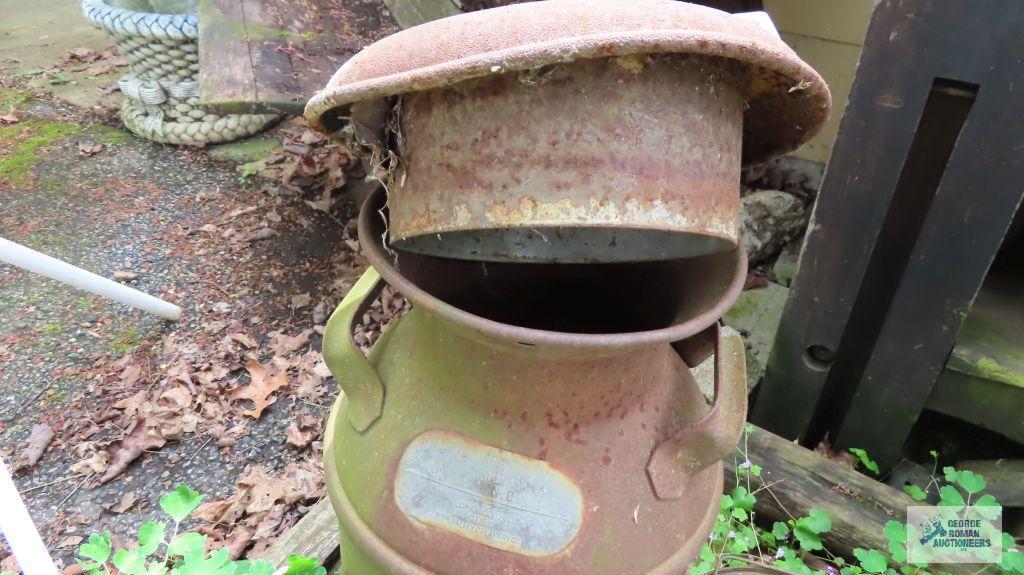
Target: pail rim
(378, 256)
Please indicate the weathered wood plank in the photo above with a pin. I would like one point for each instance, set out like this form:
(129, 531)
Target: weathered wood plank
(409, 13)
(989, 404)
(989, 342)
(1005, 478)
(225, 74)
(801, 479)
(315, 535)
(271, 56)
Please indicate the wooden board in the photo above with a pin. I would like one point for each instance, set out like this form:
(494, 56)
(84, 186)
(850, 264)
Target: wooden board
(258, 56)
(989, 344)
(991, 405)
(315, 535)
(800, 479)
(1005, 478)
(920, 191)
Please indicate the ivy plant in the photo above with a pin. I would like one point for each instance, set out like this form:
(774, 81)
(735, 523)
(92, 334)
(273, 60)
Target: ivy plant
(799, 544)
(157, 553)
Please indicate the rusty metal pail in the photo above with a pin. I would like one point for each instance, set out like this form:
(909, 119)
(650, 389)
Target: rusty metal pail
(575, 131)
(466, 445)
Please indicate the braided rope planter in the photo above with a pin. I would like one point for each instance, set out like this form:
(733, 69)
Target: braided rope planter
(161, 92)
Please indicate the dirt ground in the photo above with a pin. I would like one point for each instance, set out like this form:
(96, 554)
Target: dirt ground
(103, 408)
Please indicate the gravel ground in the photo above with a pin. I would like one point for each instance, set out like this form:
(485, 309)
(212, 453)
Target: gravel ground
(163, 214)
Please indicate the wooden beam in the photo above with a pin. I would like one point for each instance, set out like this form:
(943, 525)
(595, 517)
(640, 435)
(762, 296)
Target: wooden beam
(801, 479)
(263, 56)
(1005, 479)
(901, 238)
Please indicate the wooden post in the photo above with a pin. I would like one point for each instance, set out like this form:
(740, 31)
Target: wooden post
(921, 188)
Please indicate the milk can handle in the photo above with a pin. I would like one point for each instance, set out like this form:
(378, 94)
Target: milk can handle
(354, 373)
(715, 435)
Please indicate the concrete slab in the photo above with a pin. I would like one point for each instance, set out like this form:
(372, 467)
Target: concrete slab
(756, 316)
(35, 35)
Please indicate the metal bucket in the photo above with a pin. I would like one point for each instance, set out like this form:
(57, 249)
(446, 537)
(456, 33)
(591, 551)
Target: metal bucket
(465, 445)
(624, 159)
(574, 131)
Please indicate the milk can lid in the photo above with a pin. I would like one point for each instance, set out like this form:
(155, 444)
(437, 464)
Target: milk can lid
(786, 100)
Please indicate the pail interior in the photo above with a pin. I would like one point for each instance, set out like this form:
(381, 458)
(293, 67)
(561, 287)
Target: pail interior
(571, 298)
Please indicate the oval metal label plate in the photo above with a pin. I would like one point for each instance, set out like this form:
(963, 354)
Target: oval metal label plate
(492, 496)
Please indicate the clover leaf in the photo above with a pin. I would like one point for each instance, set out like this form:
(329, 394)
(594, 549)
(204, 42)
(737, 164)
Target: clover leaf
(915, 492)
(871, 560)
(180, 502)
(97, 548)
(865, 460)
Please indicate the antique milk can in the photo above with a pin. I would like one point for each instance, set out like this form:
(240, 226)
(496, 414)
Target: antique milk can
(476, 439)
(562, 214)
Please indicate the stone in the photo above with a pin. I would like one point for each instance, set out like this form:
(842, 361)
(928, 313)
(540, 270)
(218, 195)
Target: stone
(756, 316)
(786, 265)
(769, 219)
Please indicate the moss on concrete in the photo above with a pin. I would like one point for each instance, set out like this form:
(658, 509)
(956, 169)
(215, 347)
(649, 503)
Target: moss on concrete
(21, 143)
(756, 315)
(12, 99)
(245, 151)
(25, 140)
(110, 135)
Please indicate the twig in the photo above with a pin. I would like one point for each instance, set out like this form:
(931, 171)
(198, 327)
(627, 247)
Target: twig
(54, 482)
(32, 399)
(216, 285)
(75, 490)
(201, 447)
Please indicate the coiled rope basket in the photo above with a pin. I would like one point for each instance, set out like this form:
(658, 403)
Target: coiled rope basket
(161, 90)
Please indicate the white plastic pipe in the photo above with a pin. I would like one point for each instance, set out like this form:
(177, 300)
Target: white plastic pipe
(20, 532)
(64, 272)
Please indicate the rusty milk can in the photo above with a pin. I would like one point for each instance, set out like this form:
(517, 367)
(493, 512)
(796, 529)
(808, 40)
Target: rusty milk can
(563, 220)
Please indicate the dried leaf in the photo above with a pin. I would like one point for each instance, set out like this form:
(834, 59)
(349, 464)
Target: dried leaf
(10, 117)
(128, 449)
(324, 203)
(38, 440)
(260, 234)
(88, 149)
(84, 54)
(128, 499)
(70, 541)
(261, 385)
(243, 339)
(238, 541)
(300, 301)
(303, 430)
(282, 344)
(213, 511)
(124, 275)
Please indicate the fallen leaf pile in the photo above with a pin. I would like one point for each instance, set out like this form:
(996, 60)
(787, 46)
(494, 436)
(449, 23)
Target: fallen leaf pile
(214, 386)
(91, 62)
(263, 506)
(310, 165)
